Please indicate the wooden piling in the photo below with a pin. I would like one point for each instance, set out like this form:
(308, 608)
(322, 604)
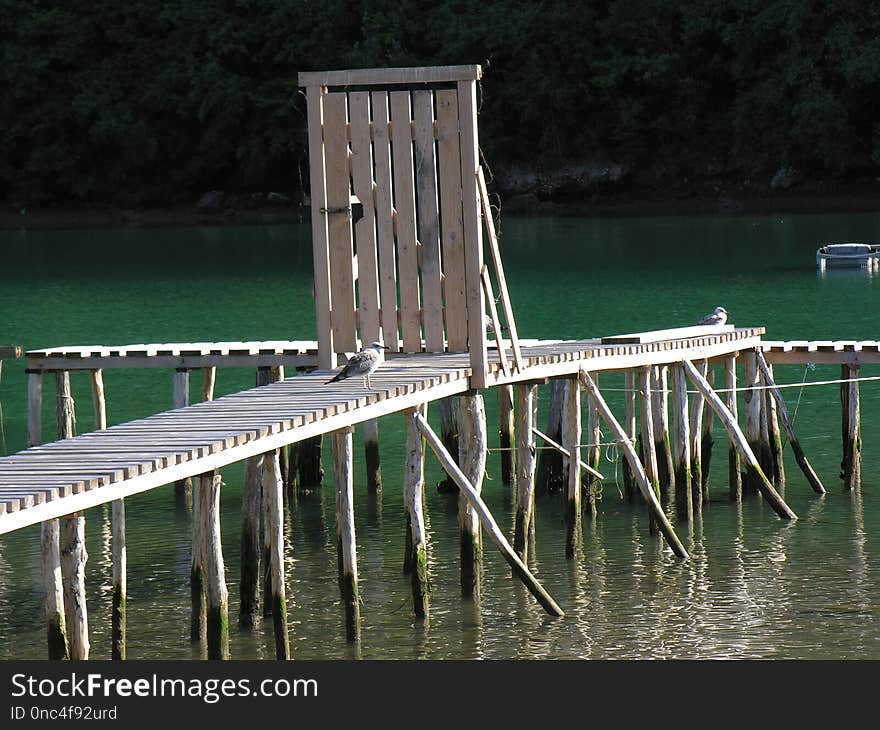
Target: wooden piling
(571, 439)
(413, 505)
(851, 430)
(646, 487)
(217, 608)
(594, 457)
(793, 440)
(309, 471)
(249, 580)
(549, 476)
(273, 488)
(662, 443)
(208, 382)
(53, 598)
(472, 445)
(526, 395)
(180, 399)
(647, 423)
(506, 433)
(371, 456)
(773, 431)
(630, 427)
(197, 581)
(707, 440)
(448, 410)
(341, 444)
(752, 403)
(750, 460)
(486, 519)
(696, 429)
(734, 476)
(684, 501)
(119, 554)
(35, 408)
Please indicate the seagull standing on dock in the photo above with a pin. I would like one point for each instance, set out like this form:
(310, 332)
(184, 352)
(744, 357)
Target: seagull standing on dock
(362, 363)
(718, 316)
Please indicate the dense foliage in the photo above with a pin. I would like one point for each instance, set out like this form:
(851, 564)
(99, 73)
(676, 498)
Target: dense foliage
(146, 102)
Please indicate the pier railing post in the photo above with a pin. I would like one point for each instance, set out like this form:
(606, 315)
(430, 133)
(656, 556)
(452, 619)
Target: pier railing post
(571, 438)
(472, 444)
(526, 396)
(345, 533)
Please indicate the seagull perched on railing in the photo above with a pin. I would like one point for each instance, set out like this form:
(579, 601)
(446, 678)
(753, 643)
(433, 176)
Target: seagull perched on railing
(718, 316)
(362, 363)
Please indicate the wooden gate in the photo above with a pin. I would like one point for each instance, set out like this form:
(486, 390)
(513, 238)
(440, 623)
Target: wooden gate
(396, 210)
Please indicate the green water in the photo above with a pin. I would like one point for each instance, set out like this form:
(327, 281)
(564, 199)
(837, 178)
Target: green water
(754, 587)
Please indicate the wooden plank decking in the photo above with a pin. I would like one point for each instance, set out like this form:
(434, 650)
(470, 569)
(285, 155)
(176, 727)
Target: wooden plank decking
(59, 478)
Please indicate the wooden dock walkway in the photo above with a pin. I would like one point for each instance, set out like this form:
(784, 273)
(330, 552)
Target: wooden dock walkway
(62, 477)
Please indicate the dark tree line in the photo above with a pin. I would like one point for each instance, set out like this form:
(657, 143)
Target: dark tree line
(139, 102)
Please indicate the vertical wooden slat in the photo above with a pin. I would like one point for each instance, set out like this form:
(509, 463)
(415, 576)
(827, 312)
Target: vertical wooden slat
(365, 228)
(342, 319)
(35, 408)
(428, 219)
(320, 250)
(449, 159)
(473, 232)
(384, 221)
(405, 208)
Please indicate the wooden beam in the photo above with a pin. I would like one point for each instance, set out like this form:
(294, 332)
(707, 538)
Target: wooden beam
(390, 76)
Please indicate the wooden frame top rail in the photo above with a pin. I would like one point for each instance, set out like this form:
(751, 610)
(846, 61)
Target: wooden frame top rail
(387, 76)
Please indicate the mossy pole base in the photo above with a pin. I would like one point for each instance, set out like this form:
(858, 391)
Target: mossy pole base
(793, 441)
(413, 499)
(341, 444)
(734, 475)
(214, 572)
(754, 470)
(486, 520)
(472, 446)
(630, 426)
(684, 500)
(526, 400)
(53, 597)
(249, 580)
(646, 486)
(448, 410)
(851, 430)
(571, 439)
(773, 430)
(273, 488)
(371, 456)
(506, 433)
(548, 476)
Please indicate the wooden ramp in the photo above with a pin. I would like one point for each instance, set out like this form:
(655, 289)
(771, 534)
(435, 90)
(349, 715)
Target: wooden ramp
(62, 477)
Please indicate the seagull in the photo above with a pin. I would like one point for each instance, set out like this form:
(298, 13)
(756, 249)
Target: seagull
(718, 316)
(362, 363)
(490, 327)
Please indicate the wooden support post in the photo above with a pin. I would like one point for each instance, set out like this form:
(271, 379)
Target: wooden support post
(53, 599)
(309, 471)
(707, 440)
(851, 430)
(210, 380)
(751, 462)
(197, 582)
(73, 533)
(630, 426)
(371, 456)
(799, 455)
(684, 501)
(660, 414)
(696, 429)
(273, 487)
(277, 375)
(35, 408)
(180, 399)
(413, 504)
(571, 439)
(472, 445)
(117, 610)
(594, 456)
(548, 478)
(448, 410)
(733, 469)
(249, 581)
(486, 519)
(650, 456)
(506, 433)
(773, 431)
(752, 402)
(645, 485)
(526, 396)
(345, 535)
(217, 609)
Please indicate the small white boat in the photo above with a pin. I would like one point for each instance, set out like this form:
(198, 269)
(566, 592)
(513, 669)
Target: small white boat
(848, 255)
